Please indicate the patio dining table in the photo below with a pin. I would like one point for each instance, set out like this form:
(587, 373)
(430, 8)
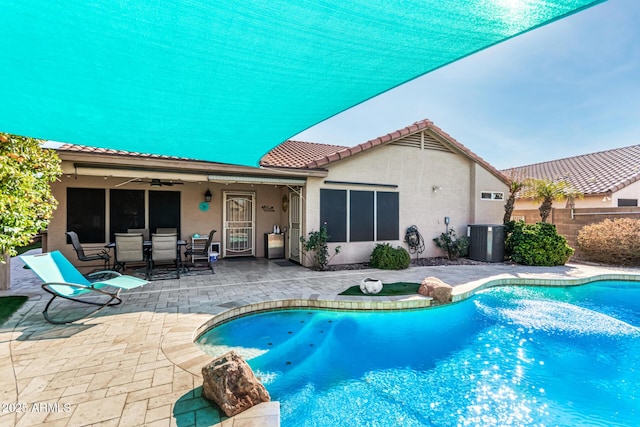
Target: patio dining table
(146, 245)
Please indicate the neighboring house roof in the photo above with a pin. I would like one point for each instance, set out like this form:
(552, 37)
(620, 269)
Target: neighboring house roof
(305, 155)
(592, 174)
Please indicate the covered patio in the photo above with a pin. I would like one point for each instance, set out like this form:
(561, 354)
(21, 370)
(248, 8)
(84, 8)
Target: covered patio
(136, 364)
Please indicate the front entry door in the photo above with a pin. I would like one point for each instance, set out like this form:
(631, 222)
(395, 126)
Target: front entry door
(239, 224)
(295, 224)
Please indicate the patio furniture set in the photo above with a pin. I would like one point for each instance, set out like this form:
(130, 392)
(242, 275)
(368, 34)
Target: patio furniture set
(135, 247)
(102, 288)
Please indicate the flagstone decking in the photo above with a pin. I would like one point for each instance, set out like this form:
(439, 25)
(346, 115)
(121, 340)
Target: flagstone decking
(136, 364)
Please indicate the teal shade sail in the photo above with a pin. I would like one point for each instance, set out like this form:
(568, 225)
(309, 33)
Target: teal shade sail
(227, 80)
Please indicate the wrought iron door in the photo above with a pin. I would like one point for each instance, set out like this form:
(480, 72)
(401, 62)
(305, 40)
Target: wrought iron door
(239, 224)
(295, 226)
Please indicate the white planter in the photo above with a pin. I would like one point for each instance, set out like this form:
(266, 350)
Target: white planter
(370, 286)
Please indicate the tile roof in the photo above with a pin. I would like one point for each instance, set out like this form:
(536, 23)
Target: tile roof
(96, 150)
(297, 154)
(288, 154)
(595, 173)
(309, 155)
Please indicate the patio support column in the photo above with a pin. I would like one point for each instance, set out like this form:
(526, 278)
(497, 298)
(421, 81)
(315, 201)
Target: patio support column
(5, 273)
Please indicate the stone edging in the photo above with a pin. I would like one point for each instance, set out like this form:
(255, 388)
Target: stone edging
(463, 294)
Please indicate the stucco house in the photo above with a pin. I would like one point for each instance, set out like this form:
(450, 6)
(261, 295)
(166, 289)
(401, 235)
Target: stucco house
(367, 194)
(608, 178)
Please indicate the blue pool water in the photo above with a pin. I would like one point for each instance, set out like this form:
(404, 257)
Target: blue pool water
(510, 356)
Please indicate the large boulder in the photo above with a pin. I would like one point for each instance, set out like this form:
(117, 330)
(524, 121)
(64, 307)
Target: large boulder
(436, 289)
(231, 384)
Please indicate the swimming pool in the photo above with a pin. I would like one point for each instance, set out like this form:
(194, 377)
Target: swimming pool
(508, 356)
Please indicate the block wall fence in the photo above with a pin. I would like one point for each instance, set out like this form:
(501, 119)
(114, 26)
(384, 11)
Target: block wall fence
(569, 223)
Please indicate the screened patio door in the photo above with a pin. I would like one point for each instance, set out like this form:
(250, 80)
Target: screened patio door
(295, 226)
(239, 224)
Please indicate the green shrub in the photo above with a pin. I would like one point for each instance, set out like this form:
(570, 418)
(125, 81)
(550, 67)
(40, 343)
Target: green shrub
(388, 258)
(538, 244)
(454, 247)
(318, 248)
(508, 229)
(615, 242)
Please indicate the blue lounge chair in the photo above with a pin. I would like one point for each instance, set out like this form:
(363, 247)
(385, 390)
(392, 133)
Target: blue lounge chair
(62, 279)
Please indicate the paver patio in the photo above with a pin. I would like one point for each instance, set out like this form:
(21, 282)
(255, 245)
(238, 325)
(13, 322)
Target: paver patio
(135, 364)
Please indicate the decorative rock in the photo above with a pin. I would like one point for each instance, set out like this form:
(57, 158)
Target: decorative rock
(370, 286)
(231, 384)
(436, 289)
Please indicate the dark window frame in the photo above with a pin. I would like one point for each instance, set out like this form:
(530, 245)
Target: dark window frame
(87, 213)
(360, 216)
(120, 221)
(627, 203)
(333, 213)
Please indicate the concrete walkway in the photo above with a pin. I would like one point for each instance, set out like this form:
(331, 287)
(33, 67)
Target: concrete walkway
(136, 364)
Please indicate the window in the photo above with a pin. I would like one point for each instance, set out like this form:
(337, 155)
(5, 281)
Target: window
(388, 219)
(362, 216)
(333, 212)
(492, 195)
(164, 210)
(86, 214)
(126, 211)
(627, 202)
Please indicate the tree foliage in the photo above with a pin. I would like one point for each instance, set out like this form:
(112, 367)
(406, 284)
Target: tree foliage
(537, 244)
(547, 191)
(26, 201)
(516, 184)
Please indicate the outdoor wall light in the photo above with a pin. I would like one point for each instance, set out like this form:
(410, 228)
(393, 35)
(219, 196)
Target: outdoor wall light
(436, 188)
(207, 196)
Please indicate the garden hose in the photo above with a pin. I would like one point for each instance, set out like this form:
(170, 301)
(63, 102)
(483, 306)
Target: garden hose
(414, 240)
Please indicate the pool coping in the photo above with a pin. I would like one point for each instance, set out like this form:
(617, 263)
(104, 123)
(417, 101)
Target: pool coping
(178, 344)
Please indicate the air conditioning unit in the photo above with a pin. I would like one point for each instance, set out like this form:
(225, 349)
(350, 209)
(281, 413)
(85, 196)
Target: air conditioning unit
(486, 242)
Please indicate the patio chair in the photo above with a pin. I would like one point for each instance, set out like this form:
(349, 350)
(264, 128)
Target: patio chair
(164, 248)
(202, 252)
(62, 279)
(97, 253)
(144, 231)
(130, 249)
(171, 230)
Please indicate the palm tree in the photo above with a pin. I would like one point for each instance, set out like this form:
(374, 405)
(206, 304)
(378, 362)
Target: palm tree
(547, 191)
(516, 184)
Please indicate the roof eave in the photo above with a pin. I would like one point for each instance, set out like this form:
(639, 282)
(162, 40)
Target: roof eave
(119, 161)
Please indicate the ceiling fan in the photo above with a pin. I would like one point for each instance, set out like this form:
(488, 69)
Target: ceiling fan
(154, 182)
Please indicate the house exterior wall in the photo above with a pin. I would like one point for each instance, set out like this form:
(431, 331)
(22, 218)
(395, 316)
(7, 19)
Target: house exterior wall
(631, 191)
(585, 202)
(268, 209)
(487, 211)
(415, 172)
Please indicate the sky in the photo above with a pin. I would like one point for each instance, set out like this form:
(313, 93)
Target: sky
(569, 88)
